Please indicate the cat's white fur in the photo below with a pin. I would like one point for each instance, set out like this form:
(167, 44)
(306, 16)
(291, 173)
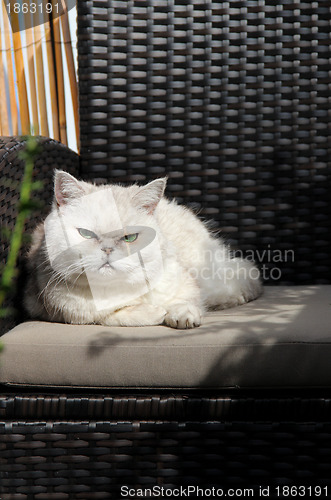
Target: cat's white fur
(180, 271)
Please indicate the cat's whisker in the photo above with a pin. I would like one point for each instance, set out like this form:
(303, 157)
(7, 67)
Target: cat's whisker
(54, 280)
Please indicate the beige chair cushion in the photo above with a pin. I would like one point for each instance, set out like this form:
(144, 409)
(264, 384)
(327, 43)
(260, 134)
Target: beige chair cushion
(283, 339)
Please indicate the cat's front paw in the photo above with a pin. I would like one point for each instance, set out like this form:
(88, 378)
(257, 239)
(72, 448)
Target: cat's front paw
(154, 314)
(138, 315)
(183, 316)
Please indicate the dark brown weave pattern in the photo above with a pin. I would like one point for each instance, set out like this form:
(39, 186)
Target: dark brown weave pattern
(87, 446)
(52, 155)
(179, 406)
(93, 460)
(231, 101)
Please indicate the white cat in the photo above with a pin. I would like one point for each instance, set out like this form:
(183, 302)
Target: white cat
(115, 255)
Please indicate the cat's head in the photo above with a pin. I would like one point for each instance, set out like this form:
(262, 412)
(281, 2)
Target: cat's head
(109, 232)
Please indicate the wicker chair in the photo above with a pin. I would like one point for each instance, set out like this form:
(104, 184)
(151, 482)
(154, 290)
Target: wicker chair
(230, 100)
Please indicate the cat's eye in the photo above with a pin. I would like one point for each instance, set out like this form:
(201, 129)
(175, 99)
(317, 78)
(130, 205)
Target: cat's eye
(86, 233)
(130, 238)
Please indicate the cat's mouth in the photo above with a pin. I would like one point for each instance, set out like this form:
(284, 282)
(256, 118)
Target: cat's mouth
(106, 266)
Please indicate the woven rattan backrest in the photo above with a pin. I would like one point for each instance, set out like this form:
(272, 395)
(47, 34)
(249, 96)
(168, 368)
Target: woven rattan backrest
(230, 99)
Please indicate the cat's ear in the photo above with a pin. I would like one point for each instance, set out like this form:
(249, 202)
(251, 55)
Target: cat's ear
(66, 187)
(149, 196)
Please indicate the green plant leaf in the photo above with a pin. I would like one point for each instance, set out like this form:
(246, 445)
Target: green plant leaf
(6, 312)
(37, 185)
(5, 233)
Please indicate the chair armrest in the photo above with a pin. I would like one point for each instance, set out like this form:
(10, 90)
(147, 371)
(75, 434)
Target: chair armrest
(52, 155)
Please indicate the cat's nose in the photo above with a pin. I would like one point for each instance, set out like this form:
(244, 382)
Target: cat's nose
(108, 250)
